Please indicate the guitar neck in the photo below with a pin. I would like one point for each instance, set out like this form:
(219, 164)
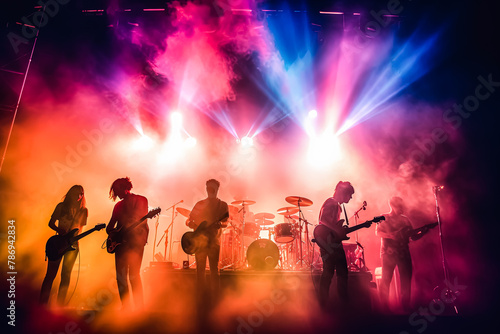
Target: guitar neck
(134, 225)
(84, 234)
(419, 229)
(357, 227)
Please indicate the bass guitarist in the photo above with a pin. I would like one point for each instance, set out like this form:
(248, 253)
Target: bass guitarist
(71, 213)
(128, 255)
(333, 255)
(210, 209)
(396, 232)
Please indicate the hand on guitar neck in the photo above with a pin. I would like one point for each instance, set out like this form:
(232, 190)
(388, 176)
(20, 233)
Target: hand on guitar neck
(417, 233)
(326, 236)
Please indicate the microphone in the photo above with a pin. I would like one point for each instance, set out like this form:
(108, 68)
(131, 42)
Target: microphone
(364, 205)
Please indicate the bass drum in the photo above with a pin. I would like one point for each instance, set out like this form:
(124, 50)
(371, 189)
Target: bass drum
(263, 254)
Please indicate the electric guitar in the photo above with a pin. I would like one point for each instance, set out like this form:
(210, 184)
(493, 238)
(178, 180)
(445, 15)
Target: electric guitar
(327, 237)
(58, 245)
(417, 233)
(196, 240)
(115, 237)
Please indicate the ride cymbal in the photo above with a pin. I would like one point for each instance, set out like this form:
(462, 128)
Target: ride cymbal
(244, 202)
(288, 210)
(184, 212)
(297, 200)
(264, 215)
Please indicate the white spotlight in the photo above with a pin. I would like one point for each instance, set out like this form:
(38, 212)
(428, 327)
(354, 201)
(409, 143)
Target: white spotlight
(143, 143)
(312, 114)
(190, 142)
(176, 119)
(247, 141)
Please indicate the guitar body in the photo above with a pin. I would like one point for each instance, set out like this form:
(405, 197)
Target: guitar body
(58, 245)
(115, 237)
(197, 240)
(114, 240)
(329, 238)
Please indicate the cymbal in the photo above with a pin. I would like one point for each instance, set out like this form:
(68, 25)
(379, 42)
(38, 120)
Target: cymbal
(296, 200)
(264, 222)
(288, 210)
(244, 202)
(294, 217)
(184, 212)
(264, 215)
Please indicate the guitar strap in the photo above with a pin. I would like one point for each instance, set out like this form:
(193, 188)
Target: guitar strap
(345, 214)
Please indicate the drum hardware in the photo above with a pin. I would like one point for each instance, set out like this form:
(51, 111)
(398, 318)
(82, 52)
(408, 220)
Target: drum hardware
(165, 234)
(300, 202)
(244, 204)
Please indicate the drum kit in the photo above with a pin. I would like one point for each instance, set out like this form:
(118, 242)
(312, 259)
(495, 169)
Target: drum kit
(245, 243)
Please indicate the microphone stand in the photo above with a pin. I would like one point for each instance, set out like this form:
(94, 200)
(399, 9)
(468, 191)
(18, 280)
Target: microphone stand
(356, 217)
(450, 295)
(165, 234)
(174, 215)
(156, 232)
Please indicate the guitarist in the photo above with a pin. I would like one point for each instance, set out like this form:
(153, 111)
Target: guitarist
(71, 213)
(395, 251)
(333, 257)
(210, 210)
(128, 255)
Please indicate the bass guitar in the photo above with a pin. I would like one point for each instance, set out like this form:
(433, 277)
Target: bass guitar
(58, 245)
(327, 237)
(115, 237)
(197, 240)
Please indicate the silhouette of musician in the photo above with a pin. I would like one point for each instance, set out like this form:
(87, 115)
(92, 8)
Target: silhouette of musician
(212, 210)
(128, 255)
(395, 251)
(71, 213)
(334, 258)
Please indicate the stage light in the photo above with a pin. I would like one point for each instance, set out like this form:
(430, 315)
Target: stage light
(246, 141)
(312, 114)
(324, 150)
(176, 119)
(143, 143)
(190, 142)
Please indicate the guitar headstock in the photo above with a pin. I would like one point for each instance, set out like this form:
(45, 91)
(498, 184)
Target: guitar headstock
(153, 213)
(99, 227)
(378, 219)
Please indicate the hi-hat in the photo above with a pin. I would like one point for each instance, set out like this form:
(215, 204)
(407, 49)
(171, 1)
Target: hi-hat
(297, 200)
(184, 212)
(244, 202)
(264, 215)
(288, 210)
(264, 222)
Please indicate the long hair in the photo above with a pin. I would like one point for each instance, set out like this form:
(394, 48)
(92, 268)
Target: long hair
(119, 185)
(70, 200)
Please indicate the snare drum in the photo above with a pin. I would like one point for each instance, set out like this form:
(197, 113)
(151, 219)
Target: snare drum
(283, 233)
